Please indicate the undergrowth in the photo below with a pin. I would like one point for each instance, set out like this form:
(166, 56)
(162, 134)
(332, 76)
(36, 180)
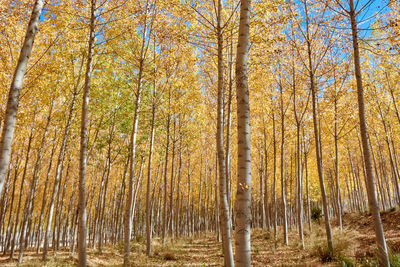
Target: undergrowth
(343, 243)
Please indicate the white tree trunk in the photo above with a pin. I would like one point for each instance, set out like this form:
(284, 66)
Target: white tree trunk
(83, 150)
(225, 223)
(243, 194)
(15, 89)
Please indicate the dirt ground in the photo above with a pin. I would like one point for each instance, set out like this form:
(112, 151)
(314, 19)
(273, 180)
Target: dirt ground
(365, 238)
(355, 244)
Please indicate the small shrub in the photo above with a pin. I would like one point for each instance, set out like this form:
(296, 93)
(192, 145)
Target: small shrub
(139, 238)
(394, 246)
(120, 246)
(394, 260)
(345, 262)
(169, 256)
(267, 236)
(316, 213)
(323, 253)
(342, 246)
(371, 259)
(367, 262)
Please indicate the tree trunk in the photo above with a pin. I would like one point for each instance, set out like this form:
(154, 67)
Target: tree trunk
(15, 89)
(29, 203)
(132, 152)
(172, 183)
(318, 150)
(28, 150)
(46, 183)
(243, 193)
(59, 167)
(283, 185)
(83, 146)
(149, 228)
(164, 221)
(274, 182)
(339, 197)
(225, 223)
(178, 198)
(380, 237)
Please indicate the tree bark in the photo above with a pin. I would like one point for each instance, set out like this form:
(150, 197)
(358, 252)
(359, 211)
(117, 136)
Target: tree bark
(380, 237)
(46, 184)
(164, 227)
(283, 184)
(28, 150)
(225, 223)
(149, 227)
(132, 150)
(318, 150)
(83, 145)
(274, 182)
(15, 89)
(29, 203)
(243, 193)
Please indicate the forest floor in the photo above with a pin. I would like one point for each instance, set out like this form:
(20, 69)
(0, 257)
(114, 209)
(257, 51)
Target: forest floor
(354, 245)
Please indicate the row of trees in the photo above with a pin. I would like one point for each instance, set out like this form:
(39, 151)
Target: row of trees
(157, 154)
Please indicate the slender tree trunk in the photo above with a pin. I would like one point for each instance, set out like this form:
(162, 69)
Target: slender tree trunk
(308, 192)
(149, 228)
(318, 149)
(381, 192)
(339, 197)
(274, 182)
(4, 203)
(83, 146)
(189, 198)
(380, 237)
(29, 203)
(228, 137)
(16, 221)
(15, 89)
(172, 183)
(224, 215)
(109, 162)
(393, 165)
(164, 227)
(243, 193)
(59, 167)
(265, 211)
(396, 109)
(10, 214)
(283, 178)
(178, 198)
(132, 151)
(299, 189)
(320, 169)
(46, 183)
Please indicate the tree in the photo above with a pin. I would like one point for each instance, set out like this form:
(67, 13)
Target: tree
(147, 24)
(225, 221)
(369, 179)
(83, 149)
(243, 193)
(15, 89)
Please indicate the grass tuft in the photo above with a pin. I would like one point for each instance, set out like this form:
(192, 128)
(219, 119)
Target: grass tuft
(169, 256)
(342, 245)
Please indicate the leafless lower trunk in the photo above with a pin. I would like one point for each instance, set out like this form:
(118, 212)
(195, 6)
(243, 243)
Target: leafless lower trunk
(243, 195)
(373, 206)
